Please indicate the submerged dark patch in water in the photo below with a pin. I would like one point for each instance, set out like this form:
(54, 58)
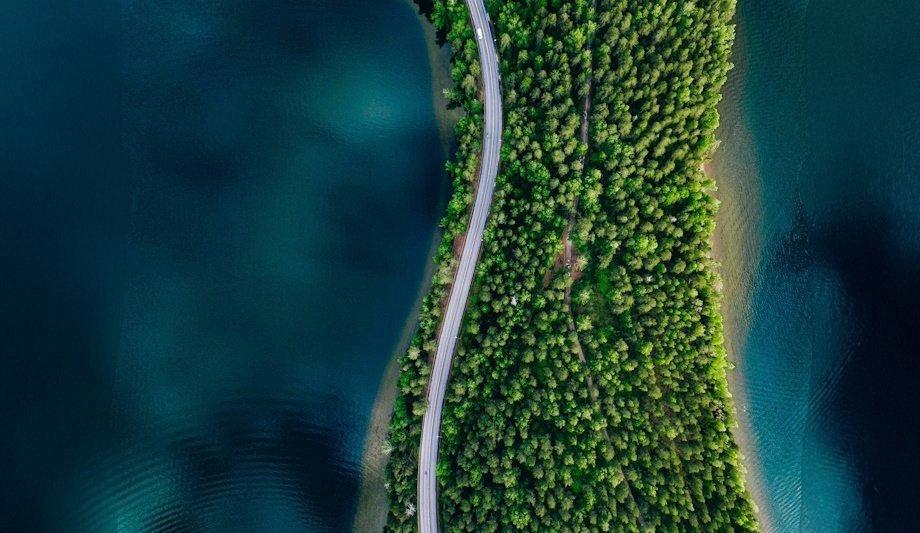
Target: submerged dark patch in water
(829, 96)
(214, 220)
(220, 471)
(875, 405)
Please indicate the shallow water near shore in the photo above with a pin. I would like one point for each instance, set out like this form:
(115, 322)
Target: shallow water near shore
(216, 218)
(821, 151)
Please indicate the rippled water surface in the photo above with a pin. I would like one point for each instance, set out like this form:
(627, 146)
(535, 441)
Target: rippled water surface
(820, 169)
(216, 216)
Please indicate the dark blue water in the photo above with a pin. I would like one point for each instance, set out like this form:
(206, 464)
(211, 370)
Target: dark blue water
(828, 112)
(214, 219)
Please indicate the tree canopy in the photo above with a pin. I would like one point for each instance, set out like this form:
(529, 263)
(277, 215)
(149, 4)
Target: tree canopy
(588, 391)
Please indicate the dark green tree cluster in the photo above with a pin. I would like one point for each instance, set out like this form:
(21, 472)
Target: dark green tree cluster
(588, 392)
(655, 343)
(522, 446)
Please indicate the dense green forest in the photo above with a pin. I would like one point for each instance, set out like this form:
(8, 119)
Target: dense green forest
(589, 389)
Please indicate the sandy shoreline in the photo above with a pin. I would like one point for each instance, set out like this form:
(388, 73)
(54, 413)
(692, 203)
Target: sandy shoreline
(735, 246)
(736, 264)
(372, 505)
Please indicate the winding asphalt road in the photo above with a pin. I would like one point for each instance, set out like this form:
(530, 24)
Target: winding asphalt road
(450, 327)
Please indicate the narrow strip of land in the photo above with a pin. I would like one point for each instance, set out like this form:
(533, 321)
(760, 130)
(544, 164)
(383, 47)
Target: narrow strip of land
(456, 304)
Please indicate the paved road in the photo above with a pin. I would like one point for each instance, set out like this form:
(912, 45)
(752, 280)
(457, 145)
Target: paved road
(450, 327)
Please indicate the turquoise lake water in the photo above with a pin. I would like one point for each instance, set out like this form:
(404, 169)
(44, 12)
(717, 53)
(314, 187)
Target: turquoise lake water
(216, 217)
(823, 125)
